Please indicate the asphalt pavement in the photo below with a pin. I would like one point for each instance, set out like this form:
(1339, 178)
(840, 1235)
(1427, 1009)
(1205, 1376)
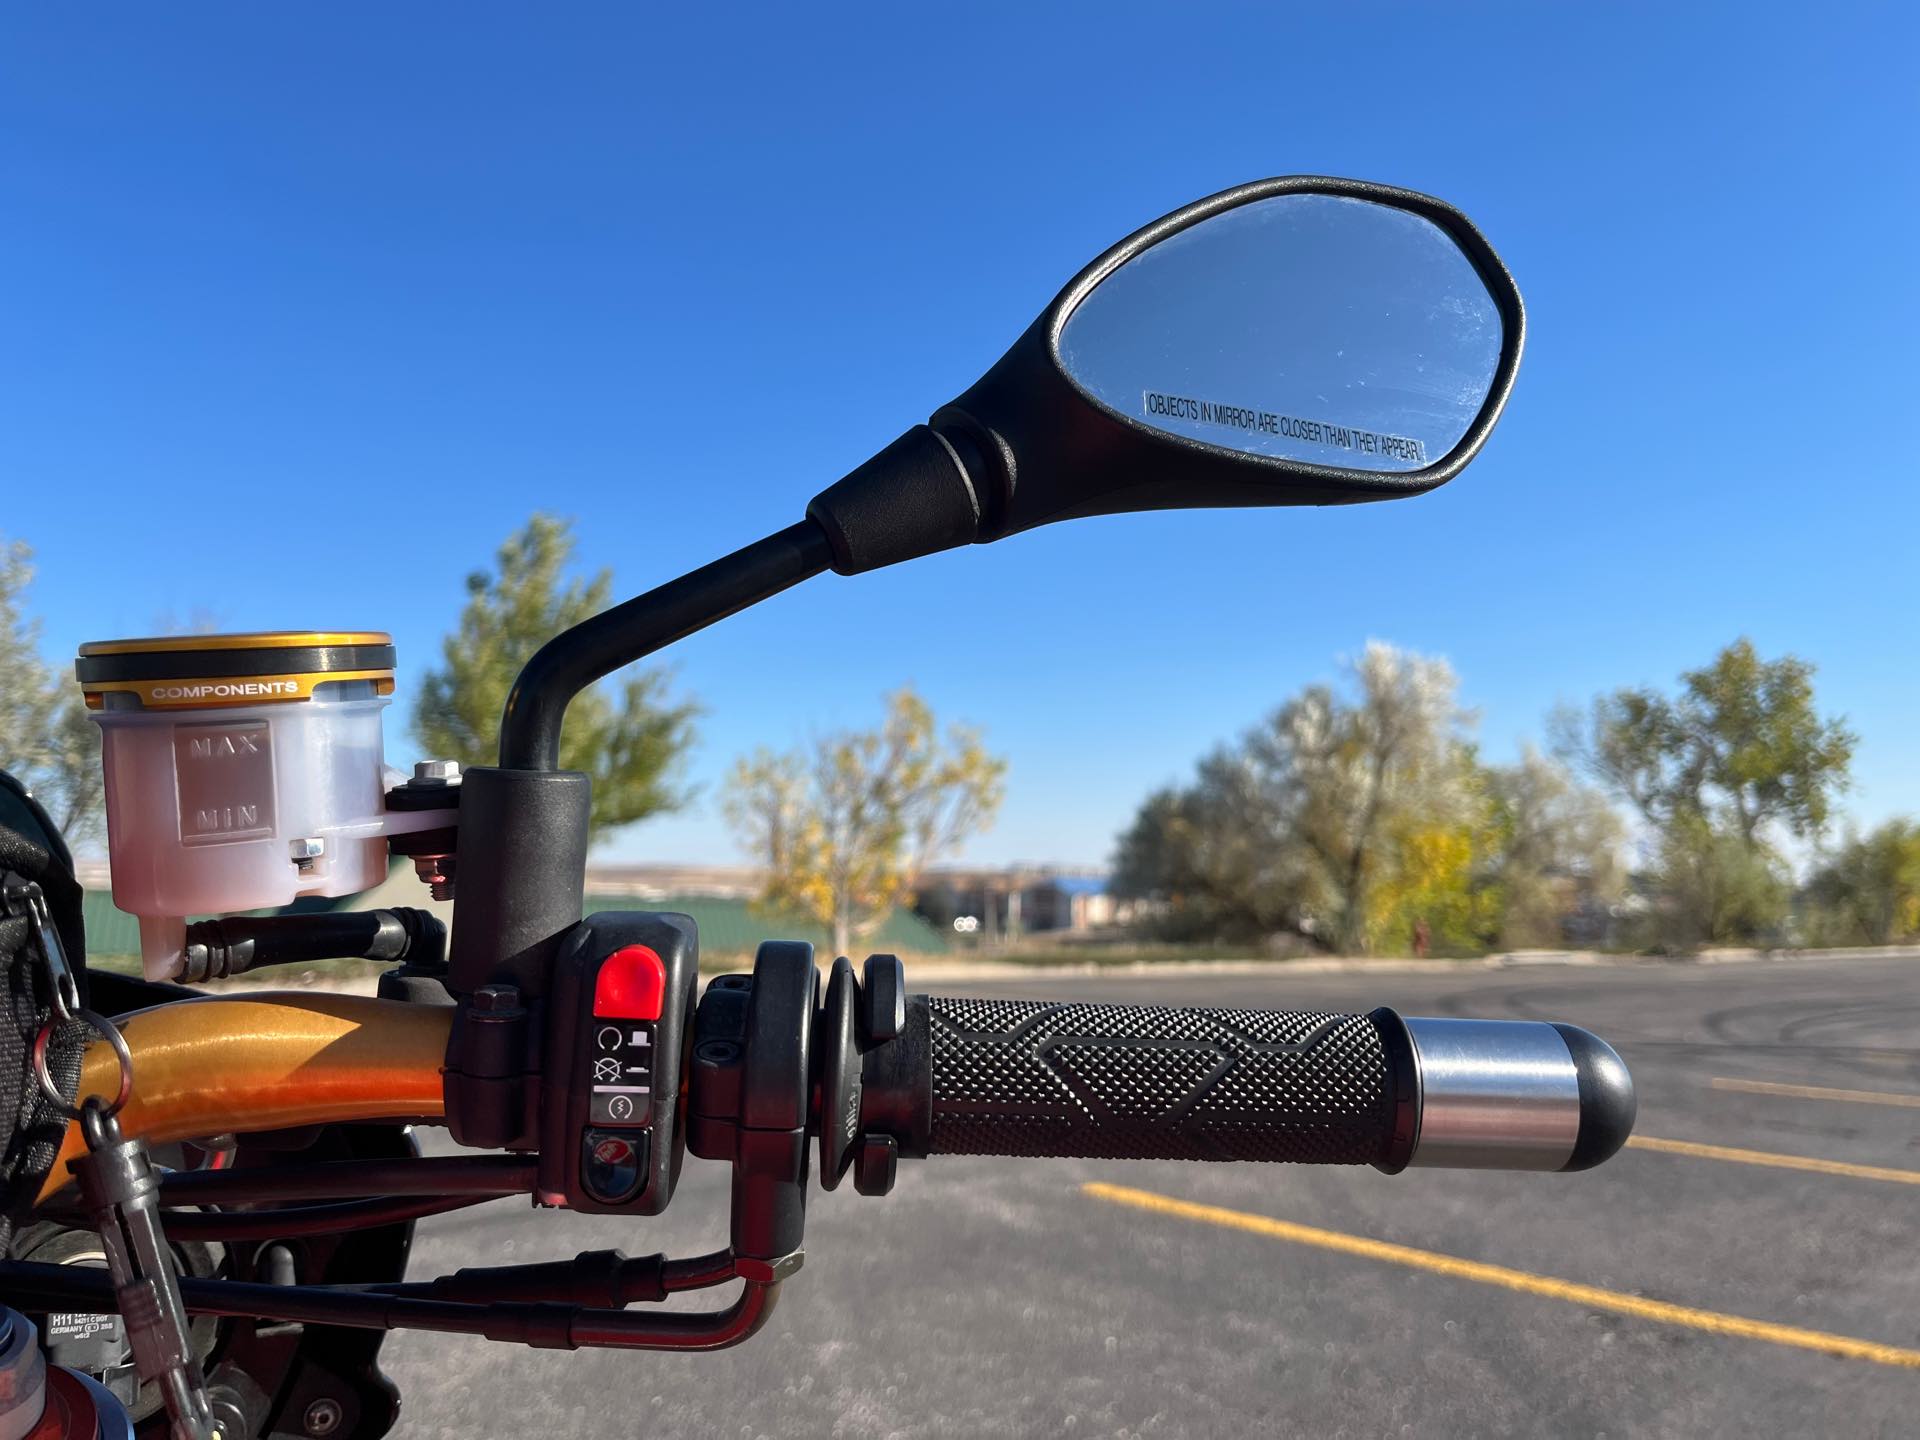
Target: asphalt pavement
(1748, 1268)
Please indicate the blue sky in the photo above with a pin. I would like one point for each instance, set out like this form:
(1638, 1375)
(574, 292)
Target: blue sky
(304, 308)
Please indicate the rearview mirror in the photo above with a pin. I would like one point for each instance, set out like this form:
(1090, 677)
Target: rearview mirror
(1300, 341)
(1308, 327)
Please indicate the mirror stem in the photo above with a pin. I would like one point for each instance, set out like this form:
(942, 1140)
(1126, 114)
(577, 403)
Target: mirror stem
(930, 490)
(574, 659)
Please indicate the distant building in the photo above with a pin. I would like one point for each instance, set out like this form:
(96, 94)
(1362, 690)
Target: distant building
(999, 904)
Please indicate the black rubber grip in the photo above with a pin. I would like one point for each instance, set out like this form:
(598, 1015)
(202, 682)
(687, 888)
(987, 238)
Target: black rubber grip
(1026, 1077)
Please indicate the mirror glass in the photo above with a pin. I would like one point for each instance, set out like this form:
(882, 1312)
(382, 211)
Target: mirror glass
(1308, 327)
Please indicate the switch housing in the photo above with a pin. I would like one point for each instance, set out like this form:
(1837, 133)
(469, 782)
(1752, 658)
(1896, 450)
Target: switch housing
(613, 1122)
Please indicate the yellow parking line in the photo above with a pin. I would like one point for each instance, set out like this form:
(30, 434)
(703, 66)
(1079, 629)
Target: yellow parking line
(1815, 1092)
(1776, 1161)
(1711, 1321)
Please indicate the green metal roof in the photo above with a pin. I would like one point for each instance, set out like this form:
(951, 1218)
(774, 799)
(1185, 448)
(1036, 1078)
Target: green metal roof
(727, 926)
(732, 926)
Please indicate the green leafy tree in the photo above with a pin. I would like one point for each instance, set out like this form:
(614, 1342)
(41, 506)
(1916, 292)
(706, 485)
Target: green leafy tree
(1317, 820)
(1437, 892)
(1868, 891)
(1359, 816)
(1357, 776)
(1742, 746)
(1153, 858)
(1557, 844)
(46, 740)
(1206, 854)
(630, 740)
(1712, 888)
(846, 826)
(1721, 772)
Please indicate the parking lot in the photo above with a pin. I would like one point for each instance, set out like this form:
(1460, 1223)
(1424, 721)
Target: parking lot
(1748, 1267)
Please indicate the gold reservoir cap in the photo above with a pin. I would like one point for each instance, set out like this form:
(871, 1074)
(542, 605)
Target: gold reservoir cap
(244, 640)
(193, 672)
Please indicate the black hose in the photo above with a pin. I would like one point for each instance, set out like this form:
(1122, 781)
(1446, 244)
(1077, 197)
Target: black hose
(605, 1279)
(699, 1272)
(32, 1285)
(295, 1221)
(216, 948)
(441, 1176)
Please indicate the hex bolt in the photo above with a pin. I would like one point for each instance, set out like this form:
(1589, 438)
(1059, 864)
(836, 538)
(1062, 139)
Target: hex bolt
(323, 1417)
(495, 999)
(769, 1272)
(436, 772)
(306, 850)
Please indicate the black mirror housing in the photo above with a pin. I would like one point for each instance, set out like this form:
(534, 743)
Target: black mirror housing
(1029, 444)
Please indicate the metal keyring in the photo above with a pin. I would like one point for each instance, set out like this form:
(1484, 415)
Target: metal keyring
(111, 1034)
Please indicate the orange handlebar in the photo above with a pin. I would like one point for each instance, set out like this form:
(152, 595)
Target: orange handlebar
(270, 1061)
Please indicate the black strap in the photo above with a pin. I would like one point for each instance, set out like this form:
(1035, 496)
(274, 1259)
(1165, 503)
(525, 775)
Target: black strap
(31, 852)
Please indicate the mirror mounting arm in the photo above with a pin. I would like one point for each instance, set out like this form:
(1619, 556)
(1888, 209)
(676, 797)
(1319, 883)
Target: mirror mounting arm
(574, 659)
(525, 824)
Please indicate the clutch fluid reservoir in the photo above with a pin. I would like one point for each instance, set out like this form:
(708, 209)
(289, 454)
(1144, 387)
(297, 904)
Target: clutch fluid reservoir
(242, 772)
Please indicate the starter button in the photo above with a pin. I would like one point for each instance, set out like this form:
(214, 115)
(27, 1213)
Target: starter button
(632, 985)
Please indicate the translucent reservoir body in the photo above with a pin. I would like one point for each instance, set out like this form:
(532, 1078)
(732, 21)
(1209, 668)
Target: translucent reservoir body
(242, 772)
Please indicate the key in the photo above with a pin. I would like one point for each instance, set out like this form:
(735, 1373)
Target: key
(121, 1193)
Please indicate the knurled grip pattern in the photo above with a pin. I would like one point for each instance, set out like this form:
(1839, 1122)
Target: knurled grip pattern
(1027, 1077)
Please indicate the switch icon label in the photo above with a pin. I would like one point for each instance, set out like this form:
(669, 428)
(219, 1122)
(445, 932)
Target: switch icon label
(620, 1072)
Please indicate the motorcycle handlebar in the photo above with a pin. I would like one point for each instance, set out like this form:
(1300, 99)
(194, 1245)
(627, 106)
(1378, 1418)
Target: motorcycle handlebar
(1033, 1078)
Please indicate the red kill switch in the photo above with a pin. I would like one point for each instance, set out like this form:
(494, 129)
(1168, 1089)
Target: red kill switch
(632, 985)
